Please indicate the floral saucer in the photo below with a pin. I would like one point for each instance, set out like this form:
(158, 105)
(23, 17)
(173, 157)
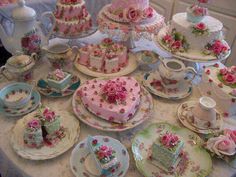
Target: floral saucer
(153, 82)
(72, 130)
(46, 90)
(195, 161)
(131, 66)
(143, 113)
(34, 102)
(187, 121)
(80, 153)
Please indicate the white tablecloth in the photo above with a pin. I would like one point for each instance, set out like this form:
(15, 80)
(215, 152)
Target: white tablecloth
(11, 165)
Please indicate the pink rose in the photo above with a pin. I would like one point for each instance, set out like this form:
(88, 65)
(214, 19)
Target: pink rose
(200, 26)
(49, 115)
(97, 52)
(199, 11)
(231, 134)
(203, 1)
(169, 140)
(148, 12)
(176, 45)
(233, 69)
(133, 15)
(229, 78)
(103, 148)
(34, 123)
(223, 71)
(101, 155)
(107, 41)
(222, 145)
(168, 39)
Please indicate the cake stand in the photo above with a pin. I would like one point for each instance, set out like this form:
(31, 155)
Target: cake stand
(129, 32)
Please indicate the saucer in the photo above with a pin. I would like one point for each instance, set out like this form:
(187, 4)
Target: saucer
(187, 120)
(194, 162)
(153, 82)
(46, 90)
(80, 155)
(34, 102)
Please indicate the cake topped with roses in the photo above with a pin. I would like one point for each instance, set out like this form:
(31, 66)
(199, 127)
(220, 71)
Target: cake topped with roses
(227, 76)
(106, 57)
(115, 100)
(195, 32)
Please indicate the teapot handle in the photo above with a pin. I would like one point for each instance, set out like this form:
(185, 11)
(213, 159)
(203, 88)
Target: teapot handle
(191, 70)
(52, 18)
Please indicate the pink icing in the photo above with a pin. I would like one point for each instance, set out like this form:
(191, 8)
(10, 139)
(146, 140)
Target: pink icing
(91, 95)
(49, 115)
(35, 123)
(117, 5)
(169, 140)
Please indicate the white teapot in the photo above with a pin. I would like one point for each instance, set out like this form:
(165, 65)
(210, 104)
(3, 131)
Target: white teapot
(26, 37)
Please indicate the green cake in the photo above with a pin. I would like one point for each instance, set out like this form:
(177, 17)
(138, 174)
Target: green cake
(166, 151)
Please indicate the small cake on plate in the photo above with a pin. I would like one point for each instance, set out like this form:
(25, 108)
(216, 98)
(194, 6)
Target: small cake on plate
(111, 62)
(166, 151)
(59, 79)
(33, 136)
(97, 59)
(104, 156)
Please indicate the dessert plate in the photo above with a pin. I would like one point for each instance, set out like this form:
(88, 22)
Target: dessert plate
(129, 68)
(72, 130)
(34, 102)
(187, 121)
(153, 82)
(191, 55)
(81, 152)
(143, 113)
(46, 90)
(194, 162)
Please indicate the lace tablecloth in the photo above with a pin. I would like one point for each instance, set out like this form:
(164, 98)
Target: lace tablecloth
(11, 165)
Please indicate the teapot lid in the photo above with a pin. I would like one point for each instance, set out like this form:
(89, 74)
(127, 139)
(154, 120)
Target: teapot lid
(23, 12)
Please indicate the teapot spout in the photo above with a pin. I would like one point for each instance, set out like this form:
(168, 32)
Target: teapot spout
(6, 40)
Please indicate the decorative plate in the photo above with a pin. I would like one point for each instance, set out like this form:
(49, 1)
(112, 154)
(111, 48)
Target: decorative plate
(46, 90)
(184, 108)
(195, 161)
(152, 79)
(72, 130)
(80, 153)
(129, 68)
(34, 102)
(191, 55)
(142, 114)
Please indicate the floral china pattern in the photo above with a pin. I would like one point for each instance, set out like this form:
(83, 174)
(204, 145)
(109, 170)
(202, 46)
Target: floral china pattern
(143, 113)
(31, 42)
(190, 163)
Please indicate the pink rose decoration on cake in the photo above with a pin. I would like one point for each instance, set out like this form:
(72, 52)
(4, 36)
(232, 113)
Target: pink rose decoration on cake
(97, 52)
(114, 92)
(167, 39)
(229, 78)
(169, 140)
(148, 12)
(223, 71)
(107, 41)
(201, 26)
(34, 124)
(231, 134)
(203, 1)
(49, 115)
(176, 45)
(218, 47)
(133, 15)
(222, 145)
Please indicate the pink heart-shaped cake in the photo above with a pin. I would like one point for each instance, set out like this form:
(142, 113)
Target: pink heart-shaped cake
(115, 100)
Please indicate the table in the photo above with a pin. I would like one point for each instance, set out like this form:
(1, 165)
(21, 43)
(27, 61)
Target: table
(11, 165)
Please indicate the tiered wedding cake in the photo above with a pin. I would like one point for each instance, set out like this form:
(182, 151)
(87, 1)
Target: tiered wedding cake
(72, 17)
(195, 32)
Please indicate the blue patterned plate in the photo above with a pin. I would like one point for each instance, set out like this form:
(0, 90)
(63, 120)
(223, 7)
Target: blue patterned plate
(46, 90)
(81, 152)
(34, 102)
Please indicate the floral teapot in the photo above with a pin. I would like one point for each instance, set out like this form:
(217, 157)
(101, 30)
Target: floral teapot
(26, 37)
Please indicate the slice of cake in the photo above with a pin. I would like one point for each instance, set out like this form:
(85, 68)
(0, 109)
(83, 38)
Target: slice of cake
(105, 157)
(111, 62)
(115, 100)
(121, 51)
(59, 79)
(166, 151)
(33, 136)
(97, 59)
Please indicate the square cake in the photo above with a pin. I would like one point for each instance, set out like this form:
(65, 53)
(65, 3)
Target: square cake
(166, 150)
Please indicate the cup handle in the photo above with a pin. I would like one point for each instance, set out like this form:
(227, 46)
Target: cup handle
(34, 56)
(2, 69)
(75, 51)
(193, 71)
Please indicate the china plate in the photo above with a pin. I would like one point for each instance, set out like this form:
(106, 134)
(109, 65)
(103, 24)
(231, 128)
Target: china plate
(196, 161)
(129, 68)
(72, 130)
(183, 92)
(80, 153)
(46, 90)
(187, 122)
(191, 55)
(34, 102)
(142, 114)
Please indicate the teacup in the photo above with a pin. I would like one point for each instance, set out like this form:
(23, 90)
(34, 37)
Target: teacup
(60, 55)
(173, 72)
(204, 113)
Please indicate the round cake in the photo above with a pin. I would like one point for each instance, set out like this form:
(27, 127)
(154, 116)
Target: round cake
(72, 17)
